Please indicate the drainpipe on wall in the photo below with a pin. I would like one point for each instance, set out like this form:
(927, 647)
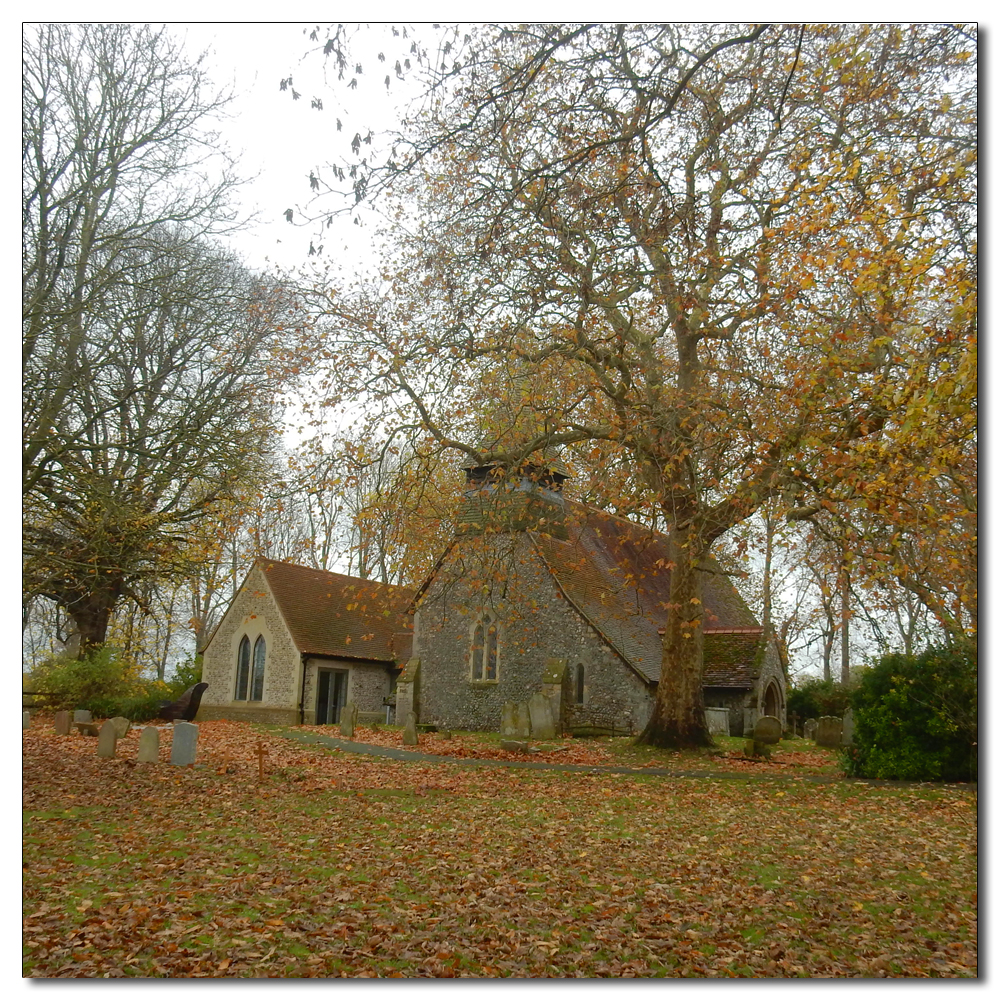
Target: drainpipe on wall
(302, 694)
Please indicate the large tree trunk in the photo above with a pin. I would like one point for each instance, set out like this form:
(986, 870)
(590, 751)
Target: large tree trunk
(678, 717)
(91, 615)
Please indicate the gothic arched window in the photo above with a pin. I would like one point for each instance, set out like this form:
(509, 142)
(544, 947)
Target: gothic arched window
(243, 669)
(259, 657)
(485, 652)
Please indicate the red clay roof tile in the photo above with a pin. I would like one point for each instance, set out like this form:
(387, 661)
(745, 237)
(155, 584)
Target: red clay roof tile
(330, 614)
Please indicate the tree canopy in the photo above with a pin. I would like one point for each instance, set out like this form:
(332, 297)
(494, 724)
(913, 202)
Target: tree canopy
(721, 255)
(149, 378)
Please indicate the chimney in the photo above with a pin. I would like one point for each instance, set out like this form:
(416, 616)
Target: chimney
(526, 498)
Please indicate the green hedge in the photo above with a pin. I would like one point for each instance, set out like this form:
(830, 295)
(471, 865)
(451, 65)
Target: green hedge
(916, 718)
(815, 697)
(109, 686)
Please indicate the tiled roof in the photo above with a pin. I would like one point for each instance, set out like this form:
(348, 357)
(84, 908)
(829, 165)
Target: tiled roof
(614, 571)
(330, 614)
(730, 658)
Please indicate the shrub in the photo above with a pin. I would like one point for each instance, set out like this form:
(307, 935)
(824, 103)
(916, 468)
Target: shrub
(102, 682)
(103, 674)
(916, 718)
(185, 675)
(142, 706)
(815, 697)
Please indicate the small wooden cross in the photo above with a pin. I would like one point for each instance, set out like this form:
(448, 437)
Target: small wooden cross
(261, 754)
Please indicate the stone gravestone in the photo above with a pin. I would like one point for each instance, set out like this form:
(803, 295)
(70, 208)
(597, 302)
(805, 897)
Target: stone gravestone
(847, 732)
(540, 718)
(82, 715)
(718, 721)
(522, 723)
(767, 730)
(809, 729)
(185, 746)
(410, 730)
(348, 720)
(508, 719)
(106, 740)
(149, 746)
(829, 730)
(122, 726)
(25, 720)
(62, 723)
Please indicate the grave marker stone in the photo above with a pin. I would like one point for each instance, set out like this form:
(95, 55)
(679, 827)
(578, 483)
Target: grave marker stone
(516, 746)
(348, 720)
(185, 745)
(847, 732)
(122, 726)
(82, 715)
(767, 730)
(809, 729)
(718, 721)
(522, 724)
(508, 719)
(25, 720)
(540, 718)
(62, 723)
(106, 740)
(87, 728)
(829, 730)
(410, 730)
(149, 746)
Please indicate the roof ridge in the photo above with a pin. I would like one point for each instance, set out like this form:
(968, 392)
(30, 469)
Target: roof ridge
(346, 578)
(617, 517)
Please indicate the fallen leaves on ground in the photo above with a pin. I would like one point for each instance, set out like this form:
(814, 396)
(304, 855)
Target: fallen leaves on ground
(473, 746)
(339, 864)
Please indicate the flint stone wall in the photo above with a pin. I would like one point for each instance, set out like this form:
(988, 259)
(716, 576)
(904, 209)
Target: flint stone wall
(252, 613)
(536, 625)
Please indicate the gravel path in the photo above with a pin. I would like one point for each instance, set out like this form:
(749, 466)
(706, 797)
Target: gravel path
(394, 753)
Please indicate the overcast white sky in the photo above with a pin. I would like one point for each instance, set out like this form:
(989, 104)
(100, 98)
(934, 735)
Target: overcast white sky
(280, 140)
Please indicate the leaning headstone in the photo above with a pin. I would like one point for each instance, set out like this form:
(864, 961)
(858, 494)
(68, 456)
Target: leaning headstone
(122, 726)
(809, 729)
(522, 724)
(718, 721)
(847, 731)
(540, 718)
(25, 720)
(185, 745)
(106, 740)
(767, 730)
(829, 730)
(87, 728)
(410, 730)
(149, 746)
(348, 720)
(82, 715)
(62, 723)
(508, 719)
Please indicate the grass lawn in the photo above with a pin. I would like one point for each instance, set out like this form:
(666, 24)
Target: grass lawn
(338, 864)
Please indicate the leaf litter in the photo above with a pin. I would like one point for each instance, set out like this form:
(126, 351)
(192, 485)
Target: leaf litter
(339, 864)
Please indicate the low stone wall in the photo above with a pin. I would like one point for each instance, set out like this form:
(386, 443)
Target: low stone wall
(244, 713)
